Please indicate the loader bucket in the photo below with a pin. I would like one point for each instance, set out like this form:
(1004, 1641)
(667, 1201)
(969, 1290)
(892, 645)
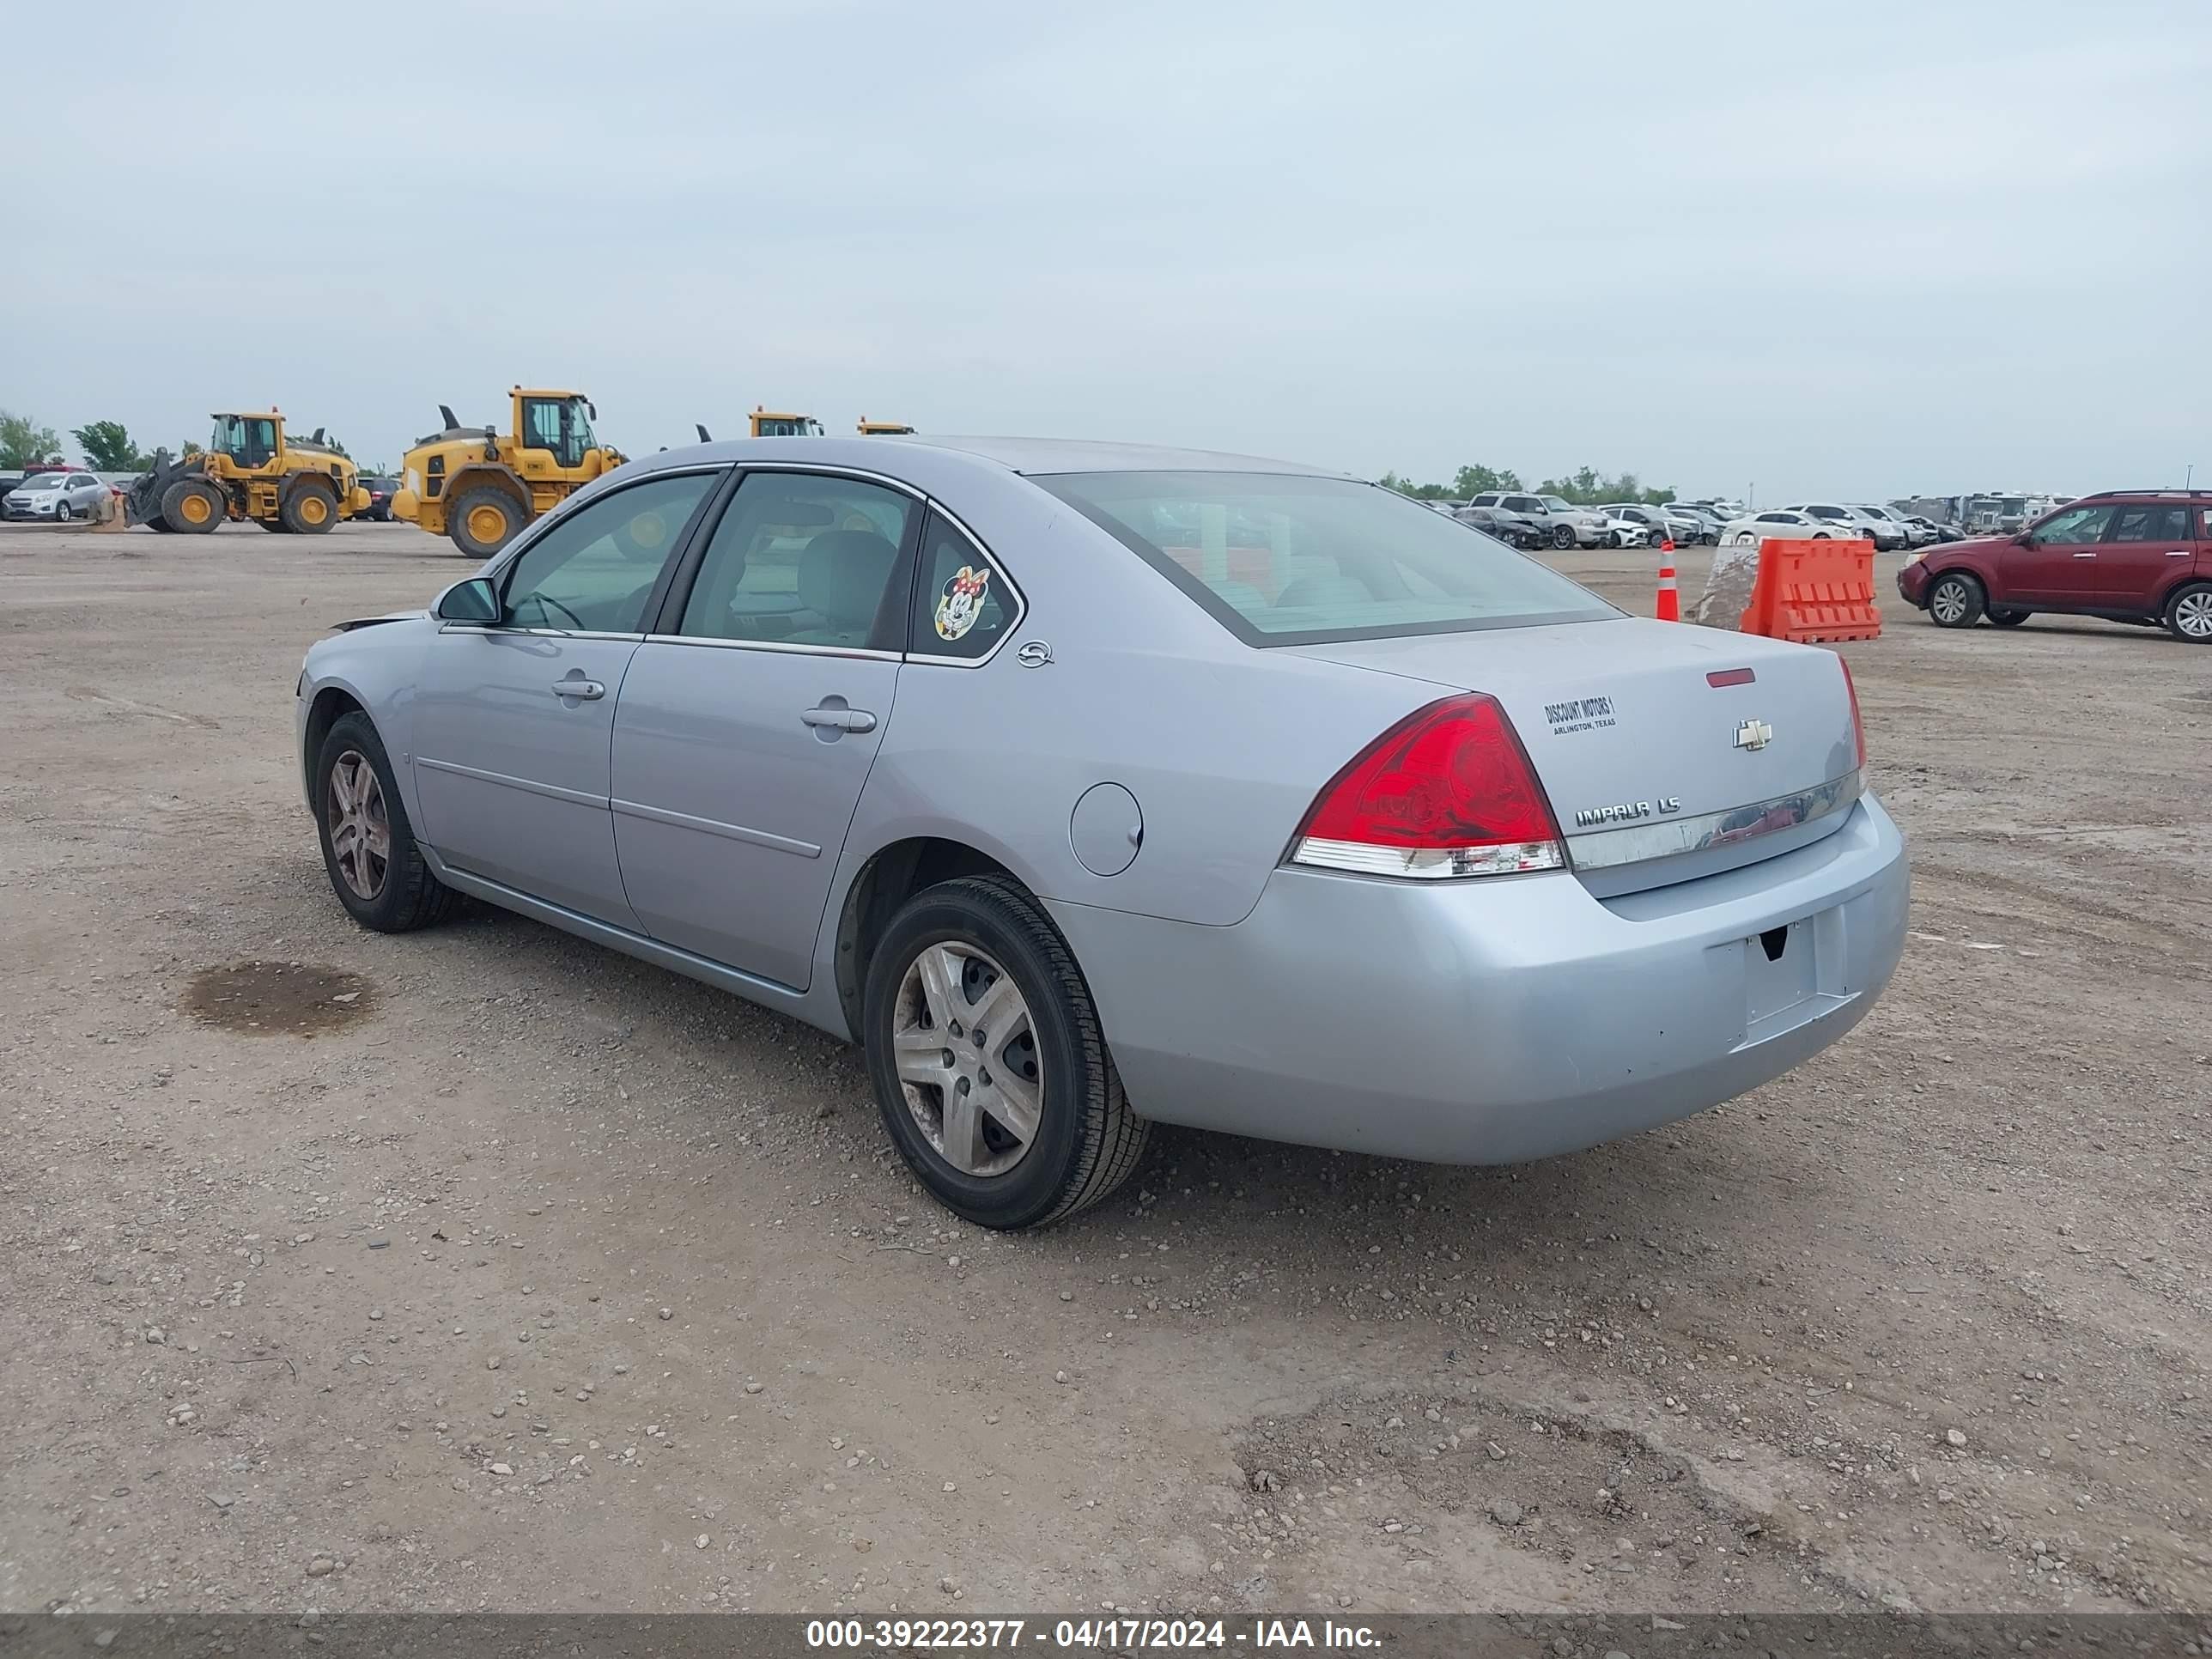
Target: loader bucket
(142, 500)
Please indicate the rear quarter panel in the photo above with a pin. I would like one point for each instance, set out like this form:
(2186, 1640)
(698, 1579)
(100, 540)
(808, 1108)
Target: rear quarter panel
(1225, 746)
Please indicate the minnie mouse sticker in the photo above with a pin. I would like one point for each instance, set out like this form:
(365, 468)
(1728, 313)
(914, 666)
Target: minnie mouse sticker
(961, 603)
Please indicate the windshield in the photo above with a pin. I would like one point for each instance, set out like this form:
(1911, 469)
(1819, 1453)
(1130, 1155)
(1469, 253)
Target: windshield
(1556, 504)
(46, 480)
(1285, 559)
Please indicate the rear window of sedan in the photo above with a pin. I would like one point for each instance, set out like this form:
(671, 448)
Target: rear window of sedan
(1286, 560)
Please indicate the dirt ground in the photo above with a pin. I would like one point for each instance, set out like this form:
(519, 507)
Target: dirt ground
(482, 1268)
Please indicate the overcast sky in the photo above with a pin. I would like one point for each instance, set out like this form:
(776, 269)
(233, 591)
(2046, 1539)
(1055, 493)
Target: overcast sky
(1853, 251)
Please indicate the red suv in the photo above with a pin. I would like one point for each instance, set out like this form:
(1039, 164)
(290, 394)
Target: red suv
(2133, 555)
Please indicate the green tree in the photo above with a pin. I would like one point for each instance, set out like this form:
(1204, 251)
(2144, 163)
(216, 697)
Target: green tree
(107, 448)
(24, 441)
(1473, 480)
(1407, 486)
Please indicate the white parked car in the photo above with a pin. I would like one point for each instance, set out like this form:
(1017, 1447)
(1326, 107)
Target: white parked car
(1625, 532)
(56, 495)
(1854, 521)
(1781, 523)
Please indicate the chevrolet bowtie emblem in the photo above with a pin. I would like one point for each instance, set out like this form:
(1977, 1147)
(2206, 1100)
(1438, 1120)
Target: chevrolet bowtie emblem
(1753, 734)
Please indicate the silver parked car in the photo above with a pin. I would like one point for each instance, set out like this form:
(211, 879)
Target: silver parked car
(1089, 785)
(62, 496)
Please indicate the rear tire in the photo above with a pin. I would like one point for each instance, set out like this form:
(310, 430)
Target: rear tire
(1085, 1139)
(2189, 613)
(483, 520)
(402, 895)
(2002, 618)
(1746, 538)
(310, 507)
(192, 506)
(1955, 599)
(277, 525)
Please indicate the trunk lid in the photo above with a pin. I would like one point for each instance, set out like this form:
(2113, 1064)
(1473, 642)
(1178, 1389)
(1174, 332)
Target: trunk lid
(1655, 773)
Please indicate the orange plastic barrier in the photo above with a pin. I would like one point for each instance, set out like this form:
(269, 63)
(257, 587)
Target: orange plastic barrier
(1811, 590)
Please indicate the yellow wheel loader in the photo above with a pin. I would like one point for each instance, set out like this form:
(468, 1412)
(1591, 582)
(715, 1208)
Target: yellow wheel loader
(766, 424)
(250, 472)
(869, 429)
(480, 486)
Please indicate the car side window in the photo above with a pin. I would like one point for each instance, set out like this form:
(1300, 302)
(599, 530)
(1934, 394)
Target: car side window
(965, 606)
(2157, 522)
(592, 571)
(2076, 524)
(804, 558)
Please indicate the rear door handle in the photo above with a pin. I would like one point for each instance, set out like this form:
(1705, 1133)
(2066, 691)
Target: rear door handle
(581, 690)
(840, 719)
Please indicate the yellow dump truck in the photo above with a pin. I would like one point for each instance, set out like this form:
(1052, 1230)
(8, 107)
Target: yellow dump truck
(869, 429)
(480, 486)
(250, 472)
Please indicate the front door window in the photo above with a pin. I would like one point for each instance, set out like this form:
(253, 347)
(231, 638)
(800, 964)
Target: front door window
(2072, 527)
(593, 571)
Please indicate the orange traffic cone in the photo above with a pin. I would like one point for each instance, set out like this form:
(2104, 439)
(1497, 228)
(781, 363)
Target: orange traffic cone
(1670, 601)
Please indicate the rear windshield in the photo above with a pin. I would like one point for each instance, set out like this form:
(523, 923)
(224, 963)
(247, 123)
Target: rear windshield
(1283, 559)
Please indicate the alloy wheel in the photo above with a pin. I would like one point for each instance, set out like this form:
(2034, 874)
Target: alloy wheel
(965, 1050)
(2192, 615)
(1949, 602)
(359, 826)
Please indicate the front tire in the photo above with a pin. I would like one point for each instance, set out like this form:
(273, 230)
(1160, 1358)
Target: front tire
(2189, 613)
(1955, 600)
(192, 506)
(1562, 537)
(375, 867)
(63, 511)
(989, 1065)
(1746, 538)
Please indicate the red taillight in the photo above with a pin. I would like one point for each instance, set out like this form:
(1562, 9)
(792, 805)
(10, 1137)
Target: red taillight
(1446, 791)
(1858, 726)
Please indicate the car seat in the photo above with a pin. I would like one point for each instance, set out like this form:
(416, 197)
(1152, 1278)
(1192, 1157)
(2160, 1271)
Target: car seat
(841, 577)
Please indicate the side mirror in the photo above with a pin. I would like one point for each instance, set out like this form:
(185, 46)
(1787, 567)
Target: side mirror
(472, 601)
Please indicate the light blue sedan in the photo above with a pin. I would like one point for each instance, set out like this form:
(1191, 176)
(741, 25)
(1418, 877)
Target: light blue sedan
(1088, 786)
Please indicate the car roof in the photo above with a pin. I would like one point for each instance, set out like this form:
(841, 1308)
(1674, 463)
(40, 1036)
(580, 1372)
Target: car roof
(1028, 456)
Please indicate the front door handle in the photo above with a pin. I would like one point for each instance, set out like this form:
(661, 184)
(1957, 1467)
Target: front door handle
(840, 719)
(582, 690)
(2085, 555)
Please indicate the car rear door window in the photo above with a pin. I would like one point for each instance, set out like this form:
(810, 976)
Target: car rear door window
(593, 569)
(1288, 558)
(805, 559)
(965, 605)
(2155, 521)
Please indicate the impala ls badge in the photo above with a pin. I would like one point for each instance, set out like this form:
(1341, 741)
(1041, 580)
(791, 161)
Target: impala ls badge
(1753, 734)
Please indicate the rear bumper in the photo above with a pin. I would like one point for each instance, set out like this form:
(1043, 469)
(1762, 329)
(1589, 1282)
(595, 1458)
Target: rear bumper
(1496, 1020)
